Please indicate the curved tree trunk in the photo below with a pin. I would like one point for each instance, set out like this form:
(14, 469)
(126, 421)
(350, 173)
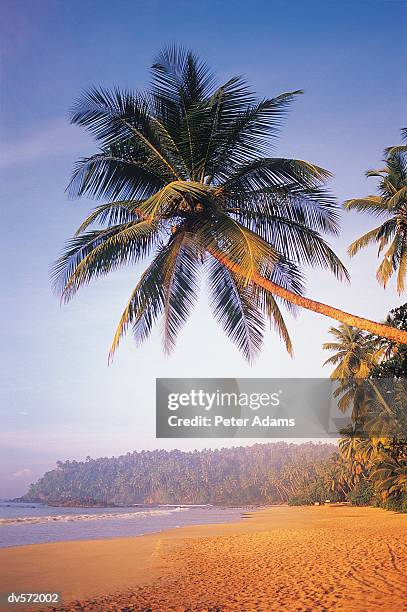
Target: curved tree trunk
(378, 329)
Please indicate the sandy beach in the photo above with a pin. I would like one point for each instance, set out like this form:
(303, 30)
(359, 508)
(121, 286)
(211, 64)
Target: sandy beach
(281, 558)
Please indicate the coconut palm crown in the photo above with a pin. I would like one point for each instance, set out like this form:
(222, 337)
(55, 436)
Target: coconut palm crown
(355, 355)
(391, 205)
(355, 352)
(187, 179)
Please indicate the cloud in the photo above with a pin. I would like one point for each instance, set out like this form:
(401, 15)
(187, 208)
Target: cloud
(24, 473)
(53, 139)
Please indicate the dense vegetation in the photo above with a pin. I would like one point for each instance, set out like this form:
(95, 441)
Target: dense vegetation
(262, 473)
(372, 384)
(368, 467)
(372, 371)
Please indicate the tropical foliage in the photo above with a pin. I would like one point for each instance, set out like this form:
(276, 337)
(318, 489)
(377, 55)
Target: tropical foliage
(373, 385)
(262, 473)
(394, 363)
(365, 469)
(355, 352)
(390, 205)
(187, 172)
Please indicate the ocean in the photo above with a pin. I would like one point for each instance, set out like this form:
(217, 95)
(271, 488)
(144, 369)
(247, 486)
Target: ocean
(29, 523)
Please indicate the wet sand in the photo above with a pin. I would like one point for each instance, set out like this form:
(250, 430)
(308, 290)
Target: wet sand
(279, 559)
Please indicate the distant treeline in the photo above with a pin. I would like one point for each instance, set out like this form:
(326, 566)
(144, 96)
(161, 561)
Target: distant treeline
(262, 473)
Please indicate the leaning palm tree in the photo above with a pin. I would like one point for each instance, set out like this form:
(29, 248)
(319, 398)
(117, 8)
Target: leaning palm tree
(188, 176)
(390, 205)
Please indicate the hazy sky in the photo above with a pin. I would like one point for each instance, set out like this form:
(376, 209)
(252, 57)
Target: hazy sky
(59, 399)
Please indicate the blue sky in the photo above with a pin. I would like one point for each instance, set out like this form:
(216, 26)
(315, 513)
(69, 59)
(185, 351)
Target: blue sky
(58, 397)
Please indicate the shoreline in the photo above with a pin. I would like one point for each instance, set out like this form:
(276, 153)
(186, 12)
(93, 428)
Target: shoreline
(308, 557)
(82, 524)
(27, 565)
(7, 502)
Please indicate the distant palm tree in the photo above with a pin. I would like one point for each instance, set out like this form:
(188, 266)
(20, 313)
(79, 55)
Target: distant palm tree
(357, 451)
(356, 352)
(390, 204)
(389, 475)
(188, 176)
(383, 462)
(355, 355)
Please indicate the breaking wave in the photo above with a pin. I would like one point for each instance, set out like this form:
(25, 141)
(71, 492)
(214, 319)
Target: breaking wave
(68, 518)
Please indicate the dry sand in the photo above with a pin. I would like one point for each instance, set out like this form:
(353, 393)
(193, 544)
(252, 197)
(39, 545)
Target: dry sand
(279, 559)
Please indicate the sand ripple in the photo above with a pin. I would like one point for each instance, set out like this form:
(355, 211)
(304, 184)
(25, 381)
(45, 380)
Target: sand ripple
(295, 559)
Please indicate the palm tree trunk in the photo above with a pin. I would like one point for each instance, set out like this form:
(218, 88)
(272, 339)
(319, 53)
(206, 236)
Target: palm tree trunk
(378, 329)
(380, 397)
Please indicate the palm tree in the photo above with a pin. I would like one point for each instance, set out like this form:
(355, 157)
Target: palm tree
(188, 176)
(391, 205)
(353, 359)
(356, 450)
(368, 443)
(389, 476)
(356, 352)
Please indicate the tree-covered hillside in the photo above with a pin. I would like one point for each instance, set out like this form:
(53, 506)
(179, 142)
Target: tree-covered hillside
(262, 473)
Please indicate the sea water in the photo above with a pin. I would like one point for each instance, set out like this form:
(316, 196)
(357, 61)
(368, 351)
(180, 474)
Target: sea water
(29, 523)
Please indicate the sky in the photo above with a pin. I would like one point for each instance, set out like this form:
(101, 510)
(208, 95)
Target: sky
(58, 397)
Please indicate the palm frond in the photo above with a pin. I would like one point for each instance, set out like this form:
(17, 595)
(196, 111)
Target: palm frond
(181, 77)
(334, 359)
(286, 274)
(244, 129)
(97, 253)
(181, 86)
(398, 198)
(245, 248)
(266, 172)
(115, 116)
(234, 309)
(332, 346)
(383, 233)
(402, 268)
(112, 213)
(371, 204)
(312, 207)
(399, 148)
(146, 303)
(389, 263)
(181, 285)
(347, 399)
(109, 174)
(268, 304)
(295, 240)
